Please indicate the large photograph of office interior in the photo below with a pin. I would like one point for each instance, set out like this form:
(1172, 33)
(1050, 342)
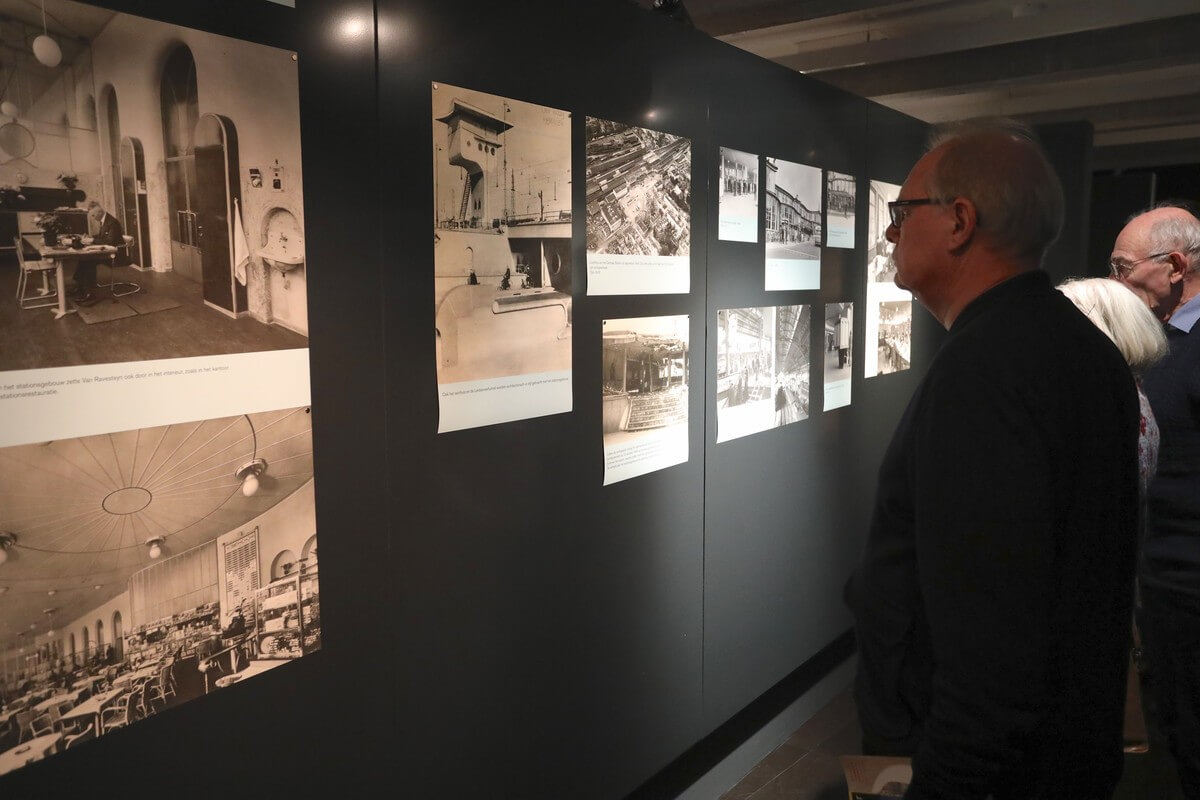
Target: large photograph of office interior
(150, 191)
(143, 569)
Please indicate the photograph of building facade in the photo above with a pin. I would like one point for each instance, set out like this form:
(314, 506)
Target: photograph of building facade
(737, 203)
(147, 568)
(793, 226)
(840, 197)
(189, 142)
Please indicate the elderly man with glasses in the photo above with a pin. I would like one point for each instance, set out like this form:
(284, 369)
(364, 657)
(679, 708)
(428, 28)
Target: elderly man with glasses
(1157, 255)
(994, 597)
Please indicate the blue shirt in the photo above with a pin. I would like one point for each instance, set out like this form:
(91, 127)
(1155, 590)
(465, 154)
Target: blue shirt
(1186, 315)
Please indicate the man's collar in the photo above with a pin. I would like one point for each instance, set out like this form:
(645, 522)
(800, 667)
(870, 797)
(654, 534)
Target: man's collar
(1186, 315)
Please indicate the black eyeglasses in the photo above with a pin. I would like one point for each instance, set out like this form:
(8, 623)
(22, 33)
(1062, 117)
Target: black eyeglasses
(898, 208)
(1121, 269)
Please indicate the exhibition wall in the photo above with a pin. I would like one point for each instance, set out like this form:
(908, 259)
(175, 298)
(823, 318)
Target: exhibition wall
(551, 605)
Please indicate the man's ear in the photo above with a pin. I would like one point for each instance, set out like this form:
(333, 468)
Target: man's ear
(965, 220)
(1179, 266)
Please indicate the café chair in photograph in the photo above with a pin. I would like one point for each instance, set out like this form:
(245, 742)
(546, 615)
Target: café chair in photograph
(120, 288)
(84, 735)
(27, 296)
(25, 724)
(42, 726)
(119, 714)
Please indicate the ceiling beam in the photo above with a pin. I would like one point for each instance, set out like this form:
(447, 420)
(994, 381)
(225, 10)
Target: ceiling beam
(722, 21)
(920, 38)
(1152, 154)
(1144, 45)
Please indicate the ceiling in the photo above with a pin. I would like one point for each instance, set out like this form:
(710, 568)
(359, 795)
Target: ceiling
(82, 509)
(1131, 69)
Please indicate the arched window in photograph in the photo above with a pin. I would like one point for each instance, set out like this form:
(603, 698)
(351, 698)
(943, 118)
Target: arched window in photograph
(308, 554)
(285, 564)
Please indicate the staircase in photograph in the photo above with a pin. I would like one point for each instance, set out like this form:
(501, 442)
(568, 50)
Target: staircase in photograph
(656, 410)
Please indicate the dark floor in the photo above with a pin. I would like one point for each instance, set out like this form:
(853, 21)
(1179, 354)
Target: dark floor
(33, 338)
(806, 766)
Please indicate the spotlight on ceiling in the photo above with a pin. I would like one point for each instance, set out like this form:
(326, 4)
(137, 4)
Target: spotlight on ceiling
(155, 543)
(7, 542)
(674, 10)
(249, 473)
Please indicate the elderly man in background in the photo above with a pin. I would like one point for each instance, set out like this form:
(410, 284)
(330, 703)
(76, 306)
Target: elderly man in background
(994, 596)
(1157, 255)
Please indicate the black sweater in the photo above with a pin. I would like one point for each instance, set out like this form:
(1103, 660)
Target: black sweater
(1172, 549)
(993, 600)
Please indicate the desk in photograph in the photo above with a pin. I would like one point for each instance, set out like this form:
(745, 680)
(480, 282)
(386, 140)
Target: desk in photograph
(63, 256)
(34, 750)
(90, 710)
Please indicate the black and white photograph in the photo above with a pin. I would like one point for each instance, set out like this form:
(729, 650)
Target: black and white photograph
(793, 225)
(840, 195)
(839, 352)
(884, 297)
(737, 203)
(645, 419)
(144, 569)
(894, 337)
(130, 226)
(639, 205)
(502, 258)
(880, 268)
(763, 368)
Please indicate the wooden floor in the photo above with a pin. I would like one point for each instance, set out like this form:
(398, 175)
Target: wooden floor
(806, 765)
(33, 338)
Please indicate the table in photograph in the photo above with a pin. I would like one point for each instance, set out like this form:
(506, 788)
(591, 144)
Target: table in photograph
(90, 710)
(55, 699)
(255, 668)
(33, 750)
(64, 256)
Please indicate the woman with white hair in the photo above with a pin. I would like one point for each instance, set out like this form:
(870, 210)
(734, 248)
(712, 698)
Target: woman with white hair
(1125, 319)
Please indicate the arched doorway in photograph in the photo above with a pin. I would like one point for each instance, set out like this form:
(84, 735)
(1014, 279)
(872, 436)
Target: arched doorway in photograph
(180, 113)
(217, 187)
(74, 652)
(118, 637)
(100, 638)
(135, 204)
(112, 116)
(85, 655)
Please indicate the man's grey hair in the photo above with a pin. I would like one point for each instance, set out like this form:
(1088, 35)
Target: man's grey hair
(1177, 233)
(998, 165)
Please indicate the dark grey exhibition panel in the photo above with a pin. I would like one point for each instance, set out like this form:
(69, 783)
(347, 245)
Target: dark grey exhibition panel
(786, 509)
(324, 725)
(551, 627)
(498, 623)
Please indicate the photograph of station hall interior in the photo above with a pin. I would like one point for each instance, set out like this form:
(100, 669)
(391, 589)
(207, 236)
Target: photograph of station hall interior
(190, 143)
(143, 569)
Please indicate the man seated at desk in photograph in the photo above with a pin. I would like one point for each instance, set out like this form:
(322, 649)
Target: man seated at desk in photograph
(107, 231)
